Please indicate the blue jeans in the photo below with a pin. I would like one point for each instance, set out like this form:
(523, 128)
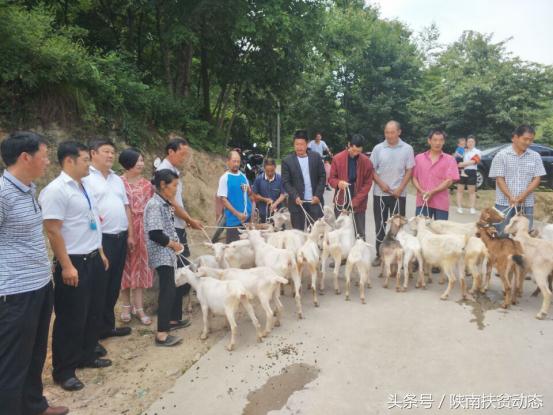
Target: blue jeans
(433, 213)
(527, 211)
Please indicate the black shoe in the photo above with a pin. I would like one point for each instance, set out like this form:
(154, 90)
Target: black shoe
(71, 384)
(169, 341)
(179, 324)
(97, 364)
(100, 350)
(117, 332)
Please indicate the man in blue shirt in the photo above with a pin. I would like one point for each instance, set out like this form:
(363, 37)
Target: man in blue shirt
(26, 293)
(268, 191)
(234, 191)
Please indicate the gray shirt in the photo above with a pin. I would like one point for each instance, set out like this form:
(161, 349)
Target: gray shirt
(390, 164)
(319, 148)
(304, 164)
(24, 264)
(158, 215)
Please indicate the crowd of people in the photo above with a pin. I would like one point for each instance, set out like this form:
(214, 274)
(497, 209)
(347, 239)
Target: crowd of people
(110, 232)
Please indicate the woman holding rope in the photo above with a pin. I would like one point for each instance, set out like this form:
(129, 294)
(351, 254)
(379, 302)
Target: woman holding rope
(234, 191)
(351, 174)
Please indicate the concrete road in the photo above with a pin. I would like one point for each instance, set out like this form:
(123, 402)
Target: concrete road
(400, 353)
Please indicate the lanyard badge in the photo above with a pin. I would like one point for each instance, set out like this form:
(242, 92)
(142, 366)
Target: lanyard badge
(91, 219)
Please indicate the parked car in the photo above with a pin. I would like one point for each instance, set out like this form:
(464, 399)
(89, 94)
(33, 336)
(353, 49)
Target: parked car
(482, 176)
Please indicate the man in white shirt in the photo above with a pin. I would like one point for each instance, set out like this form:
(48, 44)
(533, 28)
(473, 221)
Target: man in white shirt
(112, 204)
(318, 145)
(74, 230)
(176, 153)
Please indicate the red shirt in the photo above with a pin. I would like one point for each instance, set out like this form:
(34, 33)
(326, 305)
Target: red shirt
(431, 175)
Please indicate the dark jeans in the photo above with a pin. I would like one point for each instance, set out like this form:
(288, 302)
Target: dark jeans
(298, 218)
(24, 326)
(433, 213)
(78, 315)
(166, 297)
(383, 207)
(232, 235)
(115, 249)
(359, 219)
(183, 290)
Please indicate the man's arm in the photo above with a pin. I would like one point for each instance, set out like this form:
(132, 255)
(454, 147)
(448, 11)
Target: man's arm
(397, 192)
(183, 214)
(365, 187)
(385, 188)
(441, 187)
(287, 181)
(534, 184)
(241, 216)
(321, 173)
(69, 273)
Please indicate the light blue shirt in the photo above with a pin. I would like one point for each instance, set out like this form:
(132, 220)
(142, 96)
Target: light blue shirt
(304, 164)
(318, 148)
(390, 163)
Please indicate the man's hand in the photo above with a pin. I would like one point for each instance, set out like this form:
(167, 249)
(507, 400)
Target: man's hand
(386, 189)
(298, 201)
(242, 217)
(518, 200)
(70, 276)
(104, 261)
(343, 185)
(131, 243)
(315, 200)
(396, 193)
(175, 246)
(195, 224)
(268, 201)
(426, 196)
(274, 207)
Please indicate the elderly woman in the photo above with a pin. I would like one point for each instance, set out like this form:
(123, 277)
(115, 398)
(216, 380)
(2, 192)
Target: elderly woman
(163, 245)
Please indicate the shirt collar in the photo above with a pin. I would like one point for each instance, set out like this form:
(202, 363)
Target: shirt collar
(270, 180)
(162, 199)
(399, 143)
(171, 167)
(95, 170)
(511, 150)
(17, 183)
(427, 155)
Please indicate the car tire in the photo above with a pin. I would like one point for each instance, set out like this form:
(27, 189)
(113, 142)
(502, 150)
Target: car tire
(481, 179)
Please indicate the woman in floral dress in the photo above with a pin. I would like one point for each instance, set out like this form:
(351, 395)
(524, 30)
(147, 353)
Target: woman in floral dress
(137, 275)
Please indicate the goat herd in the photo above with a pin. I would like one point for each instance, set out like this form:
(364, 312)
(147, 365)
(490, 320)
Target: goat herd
(264, 260)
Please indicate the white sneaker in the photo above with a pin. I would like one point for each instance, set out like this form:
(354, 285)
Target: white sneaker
(460, 210)
(472, 211)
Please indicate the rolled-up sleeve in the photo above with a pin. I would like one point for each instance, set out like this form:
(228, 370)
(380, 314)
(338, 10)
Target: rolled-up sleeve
(539, 169)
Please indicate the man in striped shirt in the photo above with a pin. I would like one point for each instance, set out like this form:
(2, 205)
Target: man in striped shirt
(26, 294)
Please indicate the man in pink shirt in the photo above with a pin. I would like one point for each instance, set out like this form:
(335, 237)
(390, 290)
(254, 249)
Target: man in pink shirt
(433, 173)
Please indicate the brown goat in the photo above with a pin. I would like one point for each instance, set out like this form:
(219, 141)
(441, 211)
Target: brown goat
(505, 255)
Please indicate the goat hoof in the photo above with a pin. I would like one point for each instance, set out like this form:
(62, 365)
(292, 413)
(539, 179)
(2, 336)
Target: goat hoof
(443, 297)
(541, 316)
(385, 286)
(316, 304)
(441, 282)
(277, 323)
(429, 280)
(321, 292)
(417, 285)
(347, 298)
(363, 301)
(504, 305)
(337, 292)
(230, 347)
(369, 286)
(356, 283)
(260, 339)
(300, 316)
(203, 336)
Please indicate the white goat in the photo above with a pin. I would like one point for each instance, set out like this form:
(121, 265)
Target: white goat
(444, 251)
(547, 232)
(537, 257)
(309, 255)
(262, 282)
(281, 261)
(412, 251)
(337, 244)
(222, 298)
(359, 258)
(237, 254)
(282, 218)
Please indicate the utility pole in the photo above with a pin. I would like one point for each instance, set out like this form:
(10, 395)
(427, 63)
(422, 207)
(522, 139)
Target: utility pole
(278, 129)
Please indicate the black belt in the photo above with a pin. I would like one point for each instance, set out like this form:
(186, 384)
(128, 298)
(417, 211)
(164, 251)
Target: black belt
(86, 257)
(119, 235)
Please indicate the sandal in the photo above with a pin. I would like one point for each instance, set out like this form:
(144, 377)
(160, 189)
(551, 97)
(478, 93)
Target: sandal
(144, 319)
(126, 314)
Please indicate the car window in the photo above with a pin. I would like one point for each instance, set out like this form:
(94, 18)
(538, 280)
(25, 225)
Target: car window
(492, 150)
(544, 151)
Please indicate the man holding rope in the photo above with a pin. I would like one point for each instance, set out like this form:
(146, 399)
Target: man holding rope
(518, 171)
(268, 191)
(351, 175)
(234, 191)
(393, 161)
(304, 179)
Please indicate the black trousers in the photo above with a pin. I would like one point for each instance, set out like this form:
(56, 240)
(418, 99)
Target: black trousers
(78, 315)
(359, 219)
(24, 326)
(232, 235)
(166, 297)
(297, 217)
(115, 249)
(383, 207)
(183, 290)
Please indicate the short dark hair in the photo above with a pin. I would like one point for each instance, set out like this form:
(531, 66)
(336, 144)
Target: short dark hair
(129, 157)
(471, 136)
(300, 135)
(437, 131)
(70, 149)
(269, 161)
(357, 140)
(163, 176)
(20, 142)
(175, 143)
(96, 143)
(523, 129)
